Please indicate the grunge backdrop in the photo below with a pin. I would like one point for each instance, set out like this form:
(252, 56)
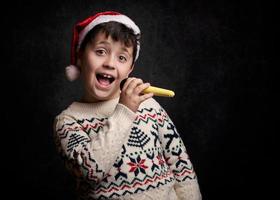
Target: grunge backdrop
(213, 54)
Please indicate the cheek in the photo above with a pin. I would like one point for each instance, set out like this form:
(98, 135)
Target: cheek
(89, 67)
(88, 74)
(91, 62)
(127, 73)
(123, 74)
(124, 71)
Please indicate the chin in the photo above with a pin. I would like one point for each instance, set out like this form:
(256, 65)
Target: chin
(105, 95)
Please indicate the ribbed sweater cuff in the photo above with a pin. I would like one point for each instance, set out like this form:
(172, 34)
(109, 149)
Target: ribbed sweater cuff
(188, 190)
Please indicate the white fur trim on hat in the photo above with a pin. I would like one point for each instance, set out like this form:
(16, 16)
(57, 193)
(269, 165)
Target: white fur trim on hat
(72, 72)
(107, 18)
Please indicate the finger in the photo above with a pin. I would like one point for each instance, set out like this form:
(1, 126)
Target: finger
(133, 84)
(145, 96)
(127, 82)
(142, 87)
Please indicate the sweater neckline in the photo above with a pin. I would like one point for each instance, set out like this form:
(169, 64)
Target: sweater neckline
(102, 108)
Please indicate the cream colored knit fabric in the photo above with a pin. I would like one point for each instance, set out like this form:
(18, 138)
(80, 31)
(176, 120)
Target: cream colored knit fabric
(117, 154)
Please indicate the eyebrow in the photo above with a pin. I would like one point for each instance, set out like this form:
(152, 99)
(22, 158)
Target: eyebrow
(125, 49)
(103, 42)
(107, 43)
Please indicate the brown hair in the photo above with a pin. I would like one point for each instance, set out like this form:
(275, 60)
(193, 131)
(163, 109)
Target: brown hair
(118, 32)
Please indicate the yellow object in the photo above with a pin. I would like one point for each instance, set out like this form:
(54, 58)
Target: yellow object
(159, 91)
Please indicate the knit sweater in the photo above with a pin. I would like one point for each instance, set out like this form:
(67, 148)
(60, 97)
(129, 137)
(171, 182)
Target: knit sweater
(115, 153)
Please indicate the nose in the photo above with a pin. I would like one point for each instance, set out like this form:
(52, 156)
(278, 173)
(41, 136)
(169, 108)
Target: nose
(109, 62)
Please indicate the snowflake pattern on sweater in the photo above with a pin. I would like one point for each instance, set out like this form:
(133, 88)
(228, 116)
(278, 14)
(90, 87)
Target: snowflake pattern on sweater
(121, 153)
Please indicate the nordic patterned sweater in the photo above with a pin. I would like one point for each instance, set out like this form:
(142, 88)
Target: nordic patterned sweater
(115, 153)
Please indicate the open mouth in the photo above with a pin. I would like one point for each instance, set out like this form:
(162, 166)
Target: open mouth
(105, 79)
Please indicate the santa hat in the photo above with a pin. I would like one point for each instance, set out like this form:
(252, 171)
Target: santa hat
(82, 28)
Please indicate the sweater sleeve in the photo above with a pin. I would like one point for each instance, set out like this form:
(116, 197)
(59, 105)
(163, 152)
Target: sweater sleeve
(90, 156)
(175, 154)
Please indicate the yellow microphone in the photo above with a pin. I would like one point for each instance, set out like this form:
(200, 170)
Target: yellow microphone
(155, 90)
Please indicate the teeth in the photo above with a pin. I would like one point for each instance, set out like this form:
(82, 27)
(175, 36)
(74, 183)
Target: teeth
(107, 76)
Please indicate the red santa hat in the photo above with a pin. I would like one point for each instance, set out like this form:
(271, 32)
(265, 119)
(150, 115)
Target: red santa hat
(82, 28)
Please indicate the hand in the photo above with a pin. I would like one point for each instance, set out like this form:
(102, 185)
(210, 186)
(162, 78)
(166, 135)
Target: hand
(131, 95)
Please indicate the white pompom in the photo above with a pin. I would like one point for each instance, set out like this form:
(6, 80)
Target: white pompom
(72, 72)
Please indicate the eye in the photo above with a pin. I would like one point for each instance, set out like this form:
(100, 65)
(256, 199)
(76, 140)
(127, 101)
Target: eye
(100, 52)
(122, 58)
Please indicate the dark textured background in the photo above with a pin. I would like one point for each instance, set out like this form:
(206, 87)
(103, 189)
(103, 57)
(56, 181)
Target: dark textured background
(214, 55)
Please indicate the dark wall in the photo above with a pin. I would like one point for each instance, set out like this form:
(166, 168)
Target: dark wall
(212, 54)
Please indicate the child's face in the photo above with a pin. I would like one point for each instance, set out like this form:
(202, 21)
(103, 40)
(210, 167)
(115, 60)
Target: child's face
(104, 64)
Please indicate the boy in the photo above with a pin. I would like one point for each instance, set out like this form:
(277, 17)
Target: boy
(119, 144)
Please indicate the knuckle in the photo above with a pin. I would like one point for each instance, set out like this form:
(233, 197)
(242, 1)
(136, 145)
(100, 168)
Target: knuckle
(130, 78)
(140, 80)
(126, 92)
(138, 89)
(137, 81)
